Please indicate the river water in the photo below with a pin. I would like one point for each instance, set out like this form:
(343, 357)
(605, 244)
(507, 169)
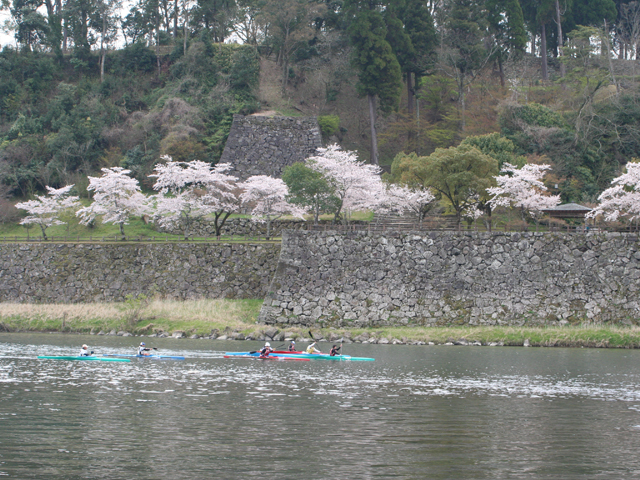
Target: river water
(437, 412)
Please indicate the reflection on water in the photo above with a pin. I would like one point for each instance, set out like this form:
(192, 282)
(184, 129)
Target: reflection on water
(416, 412)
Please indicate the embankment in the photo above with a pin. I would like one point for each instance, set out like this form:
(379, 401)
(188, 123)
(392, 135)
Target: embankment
(454, 278)
(103, 272)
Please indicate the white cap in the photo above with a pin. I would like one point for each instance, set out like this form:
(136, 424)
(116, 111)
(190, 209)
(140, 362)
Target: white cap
(84, 346)
(267, 344)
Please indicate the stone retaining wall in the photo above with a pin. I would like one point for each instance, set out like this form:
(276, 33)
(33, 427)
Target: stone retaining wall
(453, 278)
(245, 226)
(240, 227)
(70, 273)
(260, 145)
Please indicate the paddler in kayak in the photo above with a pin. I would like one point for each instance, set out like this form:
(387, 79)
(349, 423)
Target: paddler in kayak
(143, 350)
(84, 351)
(292, 346)
(266, 350)
(312, 348)
(335, 350)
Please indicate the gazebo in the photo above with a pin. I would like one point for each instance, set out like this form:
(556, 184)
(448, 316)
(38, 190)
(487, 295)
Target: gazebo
(568, 210)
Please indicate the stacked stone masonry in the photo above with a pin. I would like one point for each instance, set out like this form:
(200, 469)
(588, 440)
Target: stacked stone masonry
(246, 226)
(68, 273)
(266, 145)
(453, 278)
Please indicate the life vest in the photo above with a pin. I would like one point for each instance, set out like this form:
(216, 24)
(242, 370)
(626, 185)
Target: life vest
(266, 351)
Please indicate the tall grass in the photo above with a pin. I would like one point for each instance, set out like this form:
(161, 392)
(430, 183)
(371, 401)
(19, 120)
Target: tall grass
(202, 316)
(196, 316)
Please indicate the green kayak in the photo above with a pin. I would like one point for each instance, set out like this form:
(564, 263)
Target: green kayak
(97, 359)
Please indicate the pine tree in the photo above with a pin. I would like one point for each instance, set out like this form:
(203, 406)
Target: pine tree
(464, 48)
(378, 69)
(506, 24)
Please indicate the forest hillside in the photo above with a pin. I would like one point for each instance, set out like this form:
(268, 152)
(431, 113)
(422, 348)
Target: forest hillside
(383, 78)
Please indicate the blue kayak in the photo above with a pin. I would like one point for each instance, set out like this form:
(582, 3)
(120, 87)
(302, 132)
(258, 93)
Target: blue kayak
(170, 357)
(310, 356)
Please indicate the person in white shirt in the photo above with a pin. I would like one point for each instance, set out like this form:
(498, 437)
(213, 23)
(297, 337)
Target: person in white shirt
(312, 348)
(143, 350)
(84, 351)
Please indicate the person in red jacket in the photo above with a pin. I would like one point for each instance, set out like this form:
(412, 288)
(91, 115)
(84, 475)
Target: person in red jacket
(266, 350)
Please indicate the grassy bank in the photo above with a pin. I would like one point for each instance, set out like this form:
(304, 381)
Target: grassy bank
(134, 316)
(201, 317)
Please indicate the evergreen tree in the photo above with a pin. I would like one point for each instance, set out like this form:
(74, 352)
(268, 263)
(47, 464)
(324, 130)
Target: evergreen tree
(378, 69)
(412, 36)
(464, 50)
(506, 24)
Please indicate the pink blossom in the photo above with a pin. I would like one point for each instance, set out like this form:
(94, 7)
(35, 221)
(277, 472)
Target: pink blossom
(192, 190)
(623, 198)
(267, 196)
(117, 196)
(522, 188)
(44, 210)
(357, 185)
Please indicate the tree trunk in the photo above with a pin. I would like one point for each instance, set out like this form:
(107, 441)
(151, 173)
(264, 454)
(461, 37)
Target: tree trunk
(501, 71)
(218, 224)
(44, 235)
(176, 9)
(410, 98)
(186, 31)
(122, 230)
(461, 96)
(543, 51)
(374, 135)
(606, 40)
(563, 68)
(410, 102)
(103, 52)
(285, 73)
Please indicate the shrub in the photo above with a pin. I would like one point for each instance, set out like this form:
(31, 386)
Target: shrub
(329, 125)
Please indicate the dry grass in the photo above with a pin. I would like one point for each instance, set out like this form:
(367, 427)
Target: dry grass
(198, 316)
(203, 316)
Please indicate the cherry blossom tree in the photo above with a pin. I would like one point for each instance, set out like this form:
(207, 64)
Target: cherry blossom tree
(192, 190)
(473, 212)
(623, 198)
(415, 201)
(522, 188)
(45, 210)
(117, 197)
(354, 183)
(267, 196)
(398, 199)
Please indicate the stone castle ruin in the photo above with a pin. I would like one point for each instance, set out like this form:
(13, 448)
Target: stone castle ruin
(259, 145)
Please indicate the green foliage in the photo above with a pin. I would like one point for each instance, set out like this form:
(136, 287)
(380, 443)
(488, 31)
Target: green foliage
(136, 57)
(506, 24)
(56, 128)
(461, 175)
(244, 72)
(418, 25)
(329, 125)
(496, 146)
(514, 116)
(378, 69)
(309, 188)
(133, 308)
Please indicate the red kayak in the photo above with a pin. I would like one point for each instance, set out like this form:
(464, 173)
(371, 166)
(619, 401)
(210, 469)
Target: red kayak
(268, 358)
